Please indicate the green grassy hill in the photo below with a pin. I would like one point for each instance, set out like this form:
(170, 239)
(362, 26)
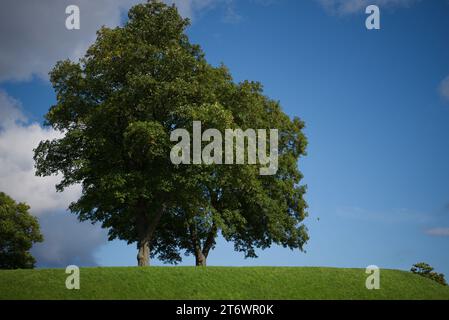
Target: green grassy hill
(216, 283)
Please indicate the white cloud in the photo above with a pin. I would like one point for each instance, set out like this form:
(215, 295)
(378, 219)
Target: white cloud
(17, 178)
(354, 6)
(33, 35)
(444, 88)
(438, 232)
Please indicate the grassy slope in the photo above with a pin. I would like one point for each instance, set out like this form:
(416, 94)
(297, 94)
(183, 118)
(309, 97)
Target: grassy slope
(216, 283)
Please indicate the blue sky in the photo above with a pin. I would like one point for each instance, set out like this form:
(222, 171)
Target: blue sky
(377, 119)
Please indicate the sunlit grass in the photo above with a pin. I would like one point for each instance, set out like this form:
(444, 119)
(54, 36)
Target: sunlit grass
(216, 283)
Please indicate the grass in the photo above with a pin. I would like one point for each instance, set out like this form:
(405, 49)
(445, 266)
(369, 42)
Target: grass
(216, 283)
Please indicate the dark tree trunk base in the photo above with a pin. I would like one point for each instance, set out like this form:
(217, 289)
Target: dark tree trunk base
(200, 260)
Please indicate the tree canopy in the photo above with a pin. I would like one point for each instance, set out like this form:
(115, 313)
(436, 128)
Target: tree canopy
(18, 231)
(117, 107)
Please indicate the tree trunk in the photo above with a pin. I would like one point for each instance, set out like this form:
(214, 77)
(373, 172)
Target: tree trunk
(143, 255)
(200, 259)
(145, 231)
(201, 253)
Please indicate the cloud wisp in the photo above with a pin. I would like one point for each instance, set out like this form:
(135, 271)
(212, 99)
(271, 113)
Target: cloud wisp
(438, 232)
(444, 88)
(392, 216)
(343, 7)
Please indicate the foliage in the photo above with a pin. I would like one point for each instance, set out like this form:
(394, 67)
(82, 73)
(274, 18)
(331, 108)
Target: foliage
(18, 231)
(425, 270)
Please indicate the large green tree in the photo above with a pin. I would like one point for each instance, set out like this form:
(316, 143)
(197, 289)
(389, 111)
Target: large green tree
(251, 210)
(117, 107)
(18, 231)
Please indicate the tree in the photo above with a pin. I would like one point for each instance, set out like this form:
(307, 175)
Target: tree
(117, 107)
(425, 270)
(18, 231)
(251, 210)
